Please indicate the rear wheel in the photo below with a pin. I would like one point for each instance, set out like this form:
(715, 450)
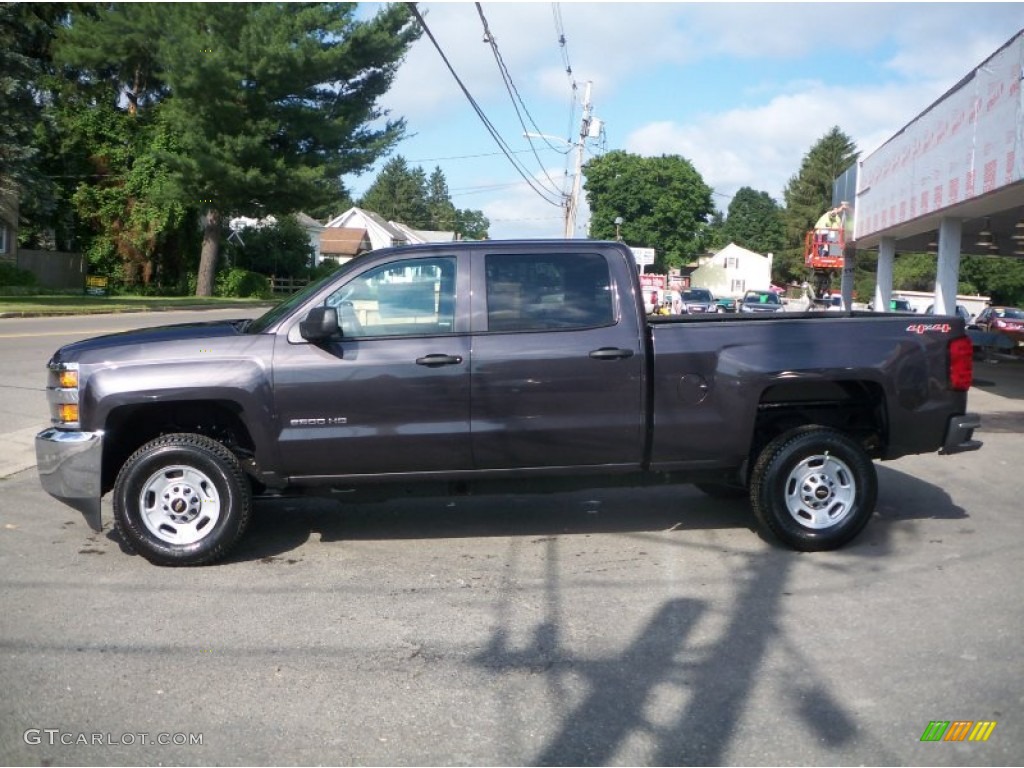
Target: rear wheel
(814, 488)
(181, 499)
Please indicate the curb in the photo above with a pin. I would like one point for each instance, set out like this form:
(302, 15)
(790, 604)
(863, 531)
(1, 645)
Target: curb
(130, 310)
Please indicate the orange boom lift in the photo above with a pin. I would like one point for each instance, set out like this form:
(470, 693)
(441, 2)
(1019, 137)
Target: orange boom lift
(825, 245)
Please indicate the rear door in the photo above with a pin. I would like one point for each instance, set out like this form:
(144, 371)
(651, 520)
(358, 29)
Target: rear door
(558, 360)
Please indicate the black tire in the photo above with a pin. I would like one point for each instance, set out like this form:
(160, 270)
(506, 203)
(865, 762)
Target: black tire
(814, 488)
(723, 490)
(181, 499)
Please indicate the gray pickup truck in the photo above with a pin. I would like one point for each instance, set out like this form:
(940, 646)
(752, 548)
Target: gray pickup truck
(522, 364)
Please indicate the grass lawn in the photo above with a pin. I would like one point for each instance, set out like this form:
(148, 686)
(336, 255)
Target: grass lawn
(82, 305)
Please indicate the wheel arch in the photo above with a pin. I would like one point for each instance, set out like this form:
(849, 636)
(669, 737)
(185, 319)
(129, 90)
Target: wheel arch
(855, 407)
(128, 427)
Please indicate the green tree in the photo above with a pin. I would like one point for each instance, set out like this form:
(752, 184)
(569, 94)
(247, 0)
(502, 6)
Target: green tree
(663, 201)
(269, 104)
(755, 222)
(406, 195)
(399, 193)
(809, 194)
(129, 199)
(471, 224)
(439, 202)
(717, 237)
(280, 249)
(1001, 278)
(47, 215)
(18, 70)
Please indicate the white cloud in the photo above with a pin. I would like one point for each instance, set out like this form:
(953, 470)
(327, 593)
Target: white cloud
(646, 59)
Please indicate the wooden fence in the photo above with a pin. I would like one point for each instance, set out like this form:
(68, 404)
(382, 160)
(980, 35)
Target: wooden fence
(287, 284)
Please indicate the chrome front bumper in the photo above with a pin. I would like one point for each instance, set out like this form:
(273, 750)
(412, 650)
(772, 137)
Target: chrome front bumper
(69, 465)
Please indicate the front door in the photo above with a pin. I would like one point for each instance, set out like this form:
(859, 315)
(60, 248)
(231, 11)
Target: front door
(391, 395)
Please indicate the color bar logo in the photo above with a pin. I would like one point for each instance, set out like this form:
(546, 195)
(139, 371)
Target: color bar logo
(958, 730)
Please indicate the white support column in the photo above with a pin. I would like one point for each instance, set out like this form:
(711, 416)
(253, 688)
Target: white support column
(948, 271)
(883, 278)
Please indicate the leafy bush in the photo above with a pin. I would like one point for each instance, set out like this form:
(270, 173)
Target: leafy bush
(243, 284)
(281, 249)
(324, 268)
(11, 275)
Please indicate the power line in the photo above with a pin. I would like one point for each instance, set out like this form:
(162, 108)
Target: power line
(556, 10)
(480, 113)
(515, 96)
(464, 157)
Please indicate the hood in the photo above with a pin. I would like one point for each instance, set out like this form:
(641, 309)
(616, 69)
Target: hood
(149, 336)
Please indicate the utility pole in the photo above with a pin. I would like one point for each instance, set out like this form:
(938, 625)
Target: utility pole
(572, 204)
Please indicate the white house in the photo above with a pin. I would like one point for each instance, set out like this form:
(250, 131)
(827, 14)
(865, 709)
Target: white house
(732, 271)
(383, 234)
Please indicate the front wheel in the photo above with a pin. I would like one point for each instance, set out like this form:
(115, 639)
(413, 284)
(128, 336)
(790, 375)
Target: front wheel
(814, 488)
(181, 499)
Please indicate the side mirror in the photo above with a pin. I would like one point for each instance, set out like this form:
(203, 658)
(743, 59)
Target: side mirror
(320, 324)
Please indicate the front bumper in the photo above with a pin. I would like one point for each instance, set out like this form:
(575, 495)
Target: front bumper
(960, 434)
(69, 465)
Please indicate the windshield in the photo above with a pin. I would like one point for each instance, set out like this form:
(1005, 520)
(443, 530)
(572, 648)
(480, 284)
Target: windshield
(1013, 312)
(697, 294)
(275, 313)
(761, 298)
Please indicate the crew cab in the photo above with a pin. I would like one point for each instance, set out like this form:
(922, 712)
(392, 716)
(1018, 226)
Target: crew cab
(526, 363)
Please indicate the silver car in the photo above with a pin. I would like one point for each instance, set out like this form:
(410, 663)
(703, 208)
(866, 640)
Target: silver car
(698, 301)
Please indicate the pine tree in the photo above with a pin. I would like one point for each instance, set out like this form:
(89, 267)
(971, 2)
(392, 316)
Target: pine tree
(20, 71)
(439, 202)
(809, 194)
(269, 104)
(399, 193)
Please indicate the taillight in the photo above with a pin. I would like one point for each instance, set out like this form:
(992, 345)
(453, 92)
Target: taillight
(961, 364)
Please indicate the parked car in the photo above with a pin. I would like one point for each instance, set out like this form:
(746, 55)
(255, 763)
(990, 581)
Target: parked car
(727, 304)
(761, 302)
(1008, 321)
(961, 310)
(698, 300)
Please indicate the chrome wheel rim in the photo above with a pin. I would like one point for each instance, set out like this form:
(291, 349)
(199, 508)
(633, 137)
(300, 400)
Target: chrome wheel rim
(820, 491)
(179, 504)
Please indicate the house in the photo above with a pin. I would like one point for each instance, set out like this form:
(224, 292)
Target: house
(313, 229)
(341, 244)
(732, 271)
(384, 234)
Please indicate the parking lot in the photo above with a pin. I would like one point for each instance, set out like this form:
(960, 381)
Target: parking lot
(635, 626)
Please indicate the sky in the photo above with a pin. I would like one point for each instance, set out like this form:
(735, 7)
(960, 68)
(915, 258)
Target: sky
(741, 90)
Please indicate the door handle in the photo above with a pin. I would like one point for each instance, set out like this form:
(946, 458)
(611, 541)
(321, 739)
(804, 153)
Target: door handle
(434, 361)
(611, 353)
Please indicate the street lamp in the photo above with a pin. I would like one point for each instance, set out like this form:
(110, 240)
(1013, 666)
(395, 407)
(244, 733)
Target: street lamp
(618, 231)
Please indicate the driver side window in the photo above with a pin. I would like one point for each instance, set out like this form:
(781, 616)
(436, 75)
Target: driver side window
(411, 297)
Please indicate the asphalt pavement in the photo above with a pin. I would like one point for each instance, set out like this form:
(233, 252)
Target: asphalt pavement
(628, 627)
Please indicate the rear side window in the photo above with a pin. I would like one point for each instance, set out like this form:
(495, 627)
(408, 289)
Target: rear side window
(535, 292)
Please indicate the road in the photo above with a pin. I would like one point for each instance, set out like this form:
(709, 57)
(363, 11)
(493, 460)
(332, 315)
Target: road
(25, 346)
(627, 627)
